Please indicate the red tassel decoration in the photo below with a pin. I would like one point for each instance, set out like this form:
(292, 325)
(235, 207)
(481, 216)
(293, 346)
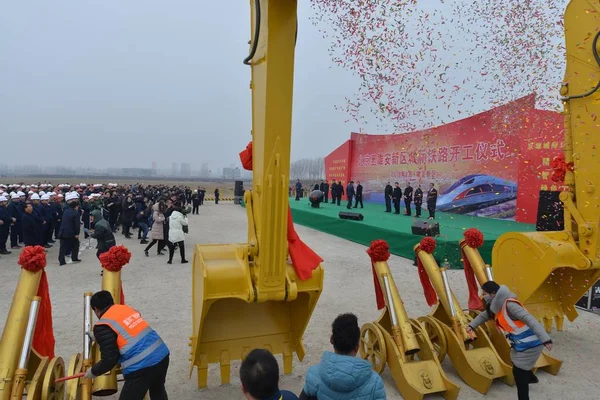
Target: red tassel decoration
(33, 259)
(428, 290)
(304, 259)
(378, 251)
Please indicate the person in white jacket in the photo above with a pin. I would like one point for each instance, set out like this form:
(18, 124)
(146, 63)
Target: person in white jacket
(176, 234)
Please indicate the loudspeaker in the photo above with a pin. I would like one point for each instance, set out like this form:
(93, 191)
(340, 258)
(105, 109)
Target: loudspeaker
(351, 215)
(239, 189)
(551, 212)
(426, 228)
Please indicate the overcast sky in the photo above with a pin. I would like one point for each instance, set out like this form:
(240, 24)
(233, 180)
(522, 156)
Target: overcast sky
(131, 82)
(122, 84)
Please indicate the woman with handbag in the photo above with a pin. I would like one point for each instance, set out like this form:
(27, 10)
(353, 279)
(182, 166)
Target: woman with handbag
(178, 225)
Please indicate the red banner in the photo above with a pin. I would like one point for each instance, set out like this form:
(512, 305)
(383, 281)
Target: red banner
(337, 164)
(476, 163)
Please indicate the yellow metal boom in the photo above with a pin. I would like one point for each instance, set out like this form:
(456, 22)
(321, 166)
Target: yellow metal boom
(550, 271)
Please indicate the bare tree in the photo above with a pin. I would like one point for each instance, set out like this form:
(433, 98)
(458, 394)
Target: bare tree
(308, 168)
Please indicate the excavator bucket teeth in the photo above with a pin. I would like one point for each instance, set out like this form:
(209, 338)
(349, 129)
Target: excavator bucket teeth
(546, 271)
(228, 323)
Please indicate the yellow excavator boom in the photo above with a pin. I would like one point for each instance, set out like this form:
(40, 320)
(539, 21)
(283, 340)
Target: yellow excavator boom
(248, 296)
(550, 271)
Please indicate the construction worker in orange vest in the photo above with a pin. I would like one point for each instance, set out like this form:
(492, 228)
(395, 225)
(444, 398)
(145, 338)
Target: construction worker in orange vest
(125, 338)
(526, 335)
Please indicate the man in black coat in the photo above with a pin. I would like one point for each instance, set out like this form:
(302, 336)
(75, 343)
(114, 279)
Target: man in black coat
(358, 195)
(388, 193)
(418, 200)
(5, 221)
(396, 197)
(408, 196)
(298, 190)
(340, 192)
(324, 187)
(30, 229)
(69, 230)
(333, 188)
(16, 230)
(431, 200)
(350, 194)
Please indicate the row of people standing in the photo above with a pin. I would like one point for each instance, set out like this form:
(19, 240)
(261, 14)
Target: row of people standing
(394, 195)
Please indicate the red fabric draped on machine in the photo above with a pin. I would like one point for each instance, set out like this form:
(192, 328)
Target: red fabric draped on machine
(33, 259)
(474, 239)
(428, 245)
(378, 251)
(304, 259)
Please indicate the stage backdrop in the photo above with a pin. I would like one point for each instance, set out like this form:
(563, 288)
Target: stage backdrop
(492, 164)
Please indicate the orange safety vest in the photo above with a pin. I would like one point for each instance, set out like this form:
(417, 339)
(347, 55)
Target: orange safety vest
(519, 334)
(139, 345)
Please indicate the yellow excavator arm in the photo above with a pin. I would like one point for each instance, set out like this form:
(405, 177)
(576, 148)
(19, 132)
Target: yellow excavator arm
(248, 296)
(550, 271)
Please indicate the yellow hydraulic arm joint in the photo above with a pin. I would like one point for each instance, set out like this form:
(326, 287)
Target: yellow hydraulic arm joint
(404, 345)
(475, 358)
(551, 271)
(248, 296)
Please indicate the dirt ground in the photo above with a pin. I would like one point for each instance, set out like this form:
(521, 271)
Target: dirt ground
(163, 294)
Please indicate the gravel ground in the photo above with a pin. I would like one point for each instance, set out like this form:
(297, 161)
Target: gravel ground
(163, 294)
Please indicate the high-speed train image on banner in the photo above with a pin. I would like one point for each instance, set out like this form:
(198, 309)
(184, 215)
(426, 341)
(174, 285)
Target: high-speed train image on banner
(475, 192)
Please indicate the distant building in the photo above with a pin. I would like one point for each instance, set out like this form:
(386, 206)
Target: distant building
(232, 173)
(186, 170)
(174, 169)
(204, 171)
(131, 172)
(154, 165)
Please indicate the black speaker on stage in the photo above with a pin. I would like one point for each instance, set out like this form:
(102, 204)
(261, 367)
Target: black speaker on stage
(351, 215)
(239, 188)
(426, 228)
(551, 212)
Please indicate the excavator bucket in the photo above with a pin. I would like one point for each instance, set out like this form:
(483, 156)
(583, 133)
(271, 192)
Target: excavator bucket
(484, 273)
(228, 323)
(546, 270)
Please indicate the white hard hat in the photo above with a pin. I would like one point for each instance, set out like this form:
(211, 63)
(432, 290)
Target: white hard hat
(3, 198)
(72, 196)
(45, 197)
(21, 194)
(14, 196)
(35, 196)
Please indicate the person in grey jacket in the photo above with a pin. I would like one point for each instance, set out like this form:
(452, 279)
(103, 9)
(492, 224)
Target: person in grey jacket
(102, 233)
(526, 335)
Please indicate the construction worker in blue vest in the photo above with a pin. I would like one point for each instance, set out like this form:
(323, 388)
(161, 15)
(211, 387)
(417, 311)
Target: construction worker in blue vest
(125, 338)
(526, 335)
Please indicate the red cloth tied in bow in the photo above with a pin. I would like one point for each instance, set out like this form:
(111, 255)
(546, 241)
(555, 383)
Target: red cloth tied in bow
(304, 259)
(560, 167)
(474, 239)
(33, 259)
(427, 245)
(378, 251)
(113, 260)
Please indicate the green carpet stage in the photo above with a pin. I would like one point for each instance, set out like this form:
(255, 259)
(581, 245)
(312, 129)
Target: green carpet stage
(396, 229)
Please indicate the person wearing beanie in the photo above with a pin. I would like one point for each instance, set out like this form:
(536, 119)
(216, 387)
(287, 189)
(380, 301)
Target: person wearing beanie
(5, 221)
(526, 335)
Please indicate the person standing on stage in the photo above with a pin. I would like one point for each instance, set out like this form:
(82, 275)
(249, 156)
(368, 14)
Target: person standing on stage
(388, 194)
(408, 196)
(396, 197)
(431, 200)
(324, 187)
(526, 336)
(418, 200)
(358, 195)
(333, 191)
(350, 194)
(340, 192)
(298, 190)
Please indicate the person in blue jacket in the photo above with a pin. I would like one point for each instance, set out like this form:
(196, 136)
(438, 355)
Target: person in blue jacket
(341, 375)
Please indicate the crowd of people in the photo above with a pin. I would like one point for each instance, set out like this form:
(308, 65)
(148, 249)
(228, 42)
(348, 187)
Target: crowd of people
(43, 214)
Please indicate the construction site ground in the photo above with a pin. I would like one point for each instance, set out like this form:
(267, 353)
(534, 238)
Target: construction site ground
(163, 294)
